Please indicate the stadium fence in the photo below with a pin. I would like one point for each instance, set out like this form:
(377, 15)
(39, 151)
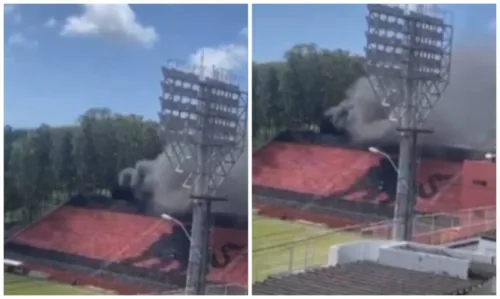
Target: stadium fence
(226, 289)
(312, 251)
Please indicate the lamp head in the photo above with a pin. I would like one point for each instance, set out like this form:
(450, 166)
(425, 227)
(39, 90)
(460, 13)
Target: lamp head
(166, 216)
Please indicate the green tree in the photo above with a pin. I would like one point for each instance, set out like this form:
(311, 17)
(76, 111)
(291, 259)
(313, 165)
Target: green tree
(42, 147)
(309, 81)
(24, 167)
(64, 163)
(85, 152)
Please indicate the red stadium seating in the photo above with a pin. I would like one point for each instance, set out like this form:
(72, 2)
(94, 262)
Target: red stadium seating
(309, 169)
(324, 171)
(114, 236)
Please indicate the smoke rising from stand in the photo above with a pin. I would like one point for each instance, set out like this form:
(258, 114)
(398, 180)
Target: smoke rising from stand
(159, 188)
(463, 117)
(360, 115)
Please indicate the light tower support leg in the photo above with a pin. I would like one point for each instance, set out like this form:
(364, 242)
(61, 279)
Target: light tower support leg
(412, 192)
(405, 177)
(205, 260)
(411, 181)
(194, 282)
(398, 230)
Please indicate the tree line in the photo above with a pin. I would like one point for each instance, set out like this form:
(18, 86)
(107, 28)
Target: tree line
(46, 164)
(296, 92)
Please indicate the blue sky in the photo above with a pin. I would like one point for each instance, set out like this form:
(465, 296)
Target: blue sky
(61, 60)
(276, 28)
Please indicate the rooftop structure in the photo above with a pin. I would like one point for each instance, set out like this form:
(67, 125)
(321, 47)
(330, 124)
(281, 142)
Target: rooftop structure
(388, 268)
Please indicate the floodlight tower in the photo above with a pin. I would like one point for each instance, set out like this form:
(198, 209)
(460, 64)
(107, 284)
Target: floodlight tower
(203, 127)
(408, 60)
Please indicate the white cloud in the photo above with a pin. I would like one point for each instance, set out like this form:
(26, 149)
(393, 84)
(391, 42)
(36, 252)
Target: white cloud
(18, 39)
(226, 57)
(244, 31)
(50, 23)
(110, 21)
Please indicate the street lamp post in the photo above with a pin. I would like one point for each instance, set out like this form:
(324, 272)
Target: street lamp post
(379, 152)
(170, 218)
(396, 169)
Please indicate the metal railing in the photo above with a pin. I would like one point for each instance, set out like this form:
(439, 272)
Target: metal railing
(226, 289)
(312, 206)
(276, 254)
(441, 228)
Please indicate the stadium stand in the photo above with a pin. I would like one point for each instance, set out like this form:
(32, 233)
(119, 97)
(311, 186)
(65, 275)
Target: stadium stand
(301, 174)
(108, 248)
(308, 169)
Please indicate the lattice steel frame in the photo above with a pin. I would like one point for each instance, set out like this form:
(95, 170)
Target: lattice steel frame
(403, 46)
(197, 111)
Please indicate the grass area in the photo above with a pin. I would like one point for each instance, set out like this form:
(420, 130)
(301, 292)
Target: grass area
(280, 246)
(24, 285)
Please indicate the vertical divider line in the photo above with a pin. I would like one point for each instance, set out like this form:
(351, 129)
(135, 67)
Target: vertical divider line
(249, 144)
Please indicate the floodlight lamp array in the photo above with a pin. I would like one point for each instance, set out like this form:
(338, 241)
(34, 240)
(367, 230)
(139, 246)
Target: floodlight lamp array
(405, 46)
(201, 112)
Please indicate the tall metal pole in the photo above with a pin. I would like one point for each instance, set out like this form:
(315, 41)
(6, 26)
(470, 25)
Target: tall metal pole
(197, 141)
(408, 71)
(413, 188)
(413, 134)
(194, 282)
(402, 188)
(405, 177)
(205, 260)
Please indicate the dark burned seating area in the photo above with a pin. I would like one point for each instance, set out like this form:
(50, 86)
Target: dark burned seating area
(369, 278)
(128, 206)
(440, 153)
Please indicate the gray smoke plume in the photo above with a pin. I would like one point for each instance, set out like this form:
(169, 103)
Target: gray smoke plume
(361, 114)
(235, 188)
(464, 116)
(156, 183)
